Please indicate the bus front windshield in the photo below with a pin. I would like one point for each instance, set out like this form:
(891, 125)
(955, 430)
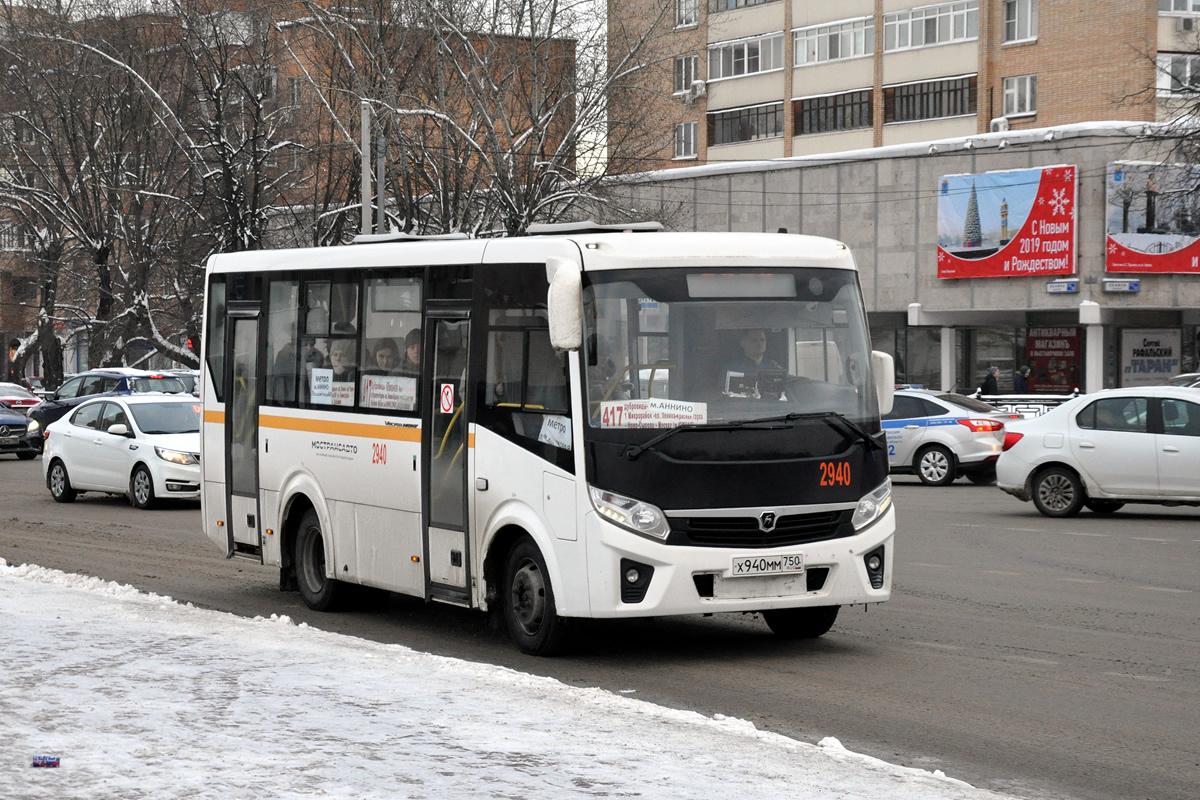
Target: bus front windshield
(706, 347)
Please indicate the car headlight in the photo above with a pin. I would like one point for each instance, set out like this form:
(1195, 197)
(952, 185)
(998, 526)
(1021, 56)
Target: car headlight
(873, 506)
(32, 426)
(632, 514)
(176, 456)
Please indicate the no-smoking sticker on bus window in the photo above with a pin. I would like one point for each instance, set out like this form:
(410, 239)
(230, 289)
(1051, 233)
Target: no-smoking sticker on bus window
(447, 403)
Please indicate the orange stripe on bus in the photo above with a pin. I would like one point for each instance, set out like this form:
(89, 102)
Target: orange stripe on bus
(215, 416)
(470, 440)
(364, 430)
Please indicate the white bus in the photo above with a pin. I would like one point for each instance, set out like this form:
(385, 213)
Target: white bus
(576, 423)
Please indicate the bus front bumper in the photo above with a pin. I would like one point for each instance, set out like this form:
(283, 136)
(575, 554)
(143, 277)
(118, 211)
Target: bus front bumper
(633, 576)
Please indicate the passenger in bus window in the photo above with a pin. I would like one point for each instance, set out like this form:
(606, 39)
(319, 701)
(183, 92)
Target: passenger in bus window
(411, 363)
(341, 359)
(385, 358)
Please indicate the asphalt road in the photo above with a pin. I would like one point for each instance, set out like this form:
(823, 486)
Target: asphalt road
(1044, 658)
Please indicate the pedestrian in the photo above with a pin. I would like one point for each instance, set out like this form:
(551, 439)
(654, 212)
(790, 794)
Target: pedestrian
(1021, 381)
(989, 383)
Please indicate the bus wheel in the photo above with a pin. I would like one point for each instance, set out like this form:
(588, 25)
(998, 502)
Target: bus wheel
(528, 600)
(319, 592)
(801, 623)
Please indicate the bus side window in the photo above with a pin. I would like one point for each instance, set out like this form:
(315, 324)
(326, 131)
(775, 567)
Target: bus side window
(390, 357)
(527, 391)
(214, 341)
(283, 356)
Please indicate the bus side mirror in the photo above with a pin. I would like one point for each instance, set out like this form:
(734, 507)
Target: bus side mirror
(884, 370)
(565, 303)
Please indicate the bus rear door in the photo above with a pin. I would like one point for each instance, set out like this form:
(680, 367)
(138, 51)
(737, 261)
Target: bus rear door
(241, 430)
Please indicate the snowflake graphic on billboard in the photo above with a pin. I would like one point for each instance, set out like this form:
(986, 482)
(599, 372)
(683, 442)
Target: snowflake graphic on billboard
(1059, 201)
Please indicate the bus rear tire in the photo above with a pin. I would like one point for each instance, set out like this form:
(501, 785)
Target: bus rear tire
(801, 623)
(320, 593)
(528, 601)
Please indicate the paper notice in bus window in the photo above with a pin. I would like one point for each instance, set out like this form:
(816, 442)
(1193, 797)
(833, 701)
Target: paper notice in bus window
(392, 392)
(320, 386)
(651, 413)
(343, 393)
(556, 430)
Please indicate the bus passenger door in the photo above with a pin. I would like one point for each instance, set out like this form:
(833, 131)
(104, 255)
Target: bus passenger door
(445, 449)
(241, 431)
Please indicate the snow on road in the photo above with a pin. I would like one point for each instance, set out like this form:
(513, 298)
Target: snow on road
(143, 697)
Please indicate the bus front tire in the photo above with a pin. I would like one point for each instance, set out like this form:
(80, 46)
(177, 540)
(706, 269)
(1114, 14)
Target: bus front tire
(319, 592)
(801, 623)
(528, 601)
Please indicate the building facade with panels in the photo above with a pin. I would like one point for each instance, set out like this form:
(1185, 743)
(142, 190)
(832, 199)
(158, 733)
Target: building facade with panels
(755, 79)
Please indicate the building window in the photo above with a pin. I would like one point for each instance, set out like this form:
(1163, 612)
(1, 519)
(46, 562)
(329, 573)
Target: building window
(25, 290)
(685, 72)
(819, 43)
(835, 112)
(15, 237)
(729, 5)
(921, 27)
(294, 85)
(1020, 20)
(1020, 95)
(745, 124)
(1192, 6)
(687, 12)
(685, 139)
(1178, 72)
(929, 100)
(746, 56)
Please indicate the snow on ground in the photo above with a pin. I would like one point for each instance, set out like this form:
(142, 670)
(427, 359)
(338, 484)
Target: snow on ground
(143, 697)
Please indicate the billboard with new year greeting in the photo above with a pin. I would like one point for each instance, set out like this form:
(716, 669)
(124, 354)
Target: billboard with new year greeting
(1010, 224)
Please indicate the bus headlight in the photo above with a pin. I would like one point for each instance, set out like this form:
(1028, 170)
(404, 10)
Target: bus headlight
(175, 456)
(633, 514)
(873, 506)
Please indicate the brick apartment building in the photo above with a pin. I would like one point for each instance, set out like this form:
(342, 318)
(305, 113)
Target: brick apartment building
(747, 80)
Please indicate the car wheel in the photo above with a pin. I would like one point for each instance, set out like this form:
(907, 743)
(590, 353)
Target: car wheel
(982, 477)
(935, 466)
(141, 488)
(320, 593)
(26, 456)
(528, 602)
(801, 623)
(59, 483)
(1057, 492)
(1103, 506)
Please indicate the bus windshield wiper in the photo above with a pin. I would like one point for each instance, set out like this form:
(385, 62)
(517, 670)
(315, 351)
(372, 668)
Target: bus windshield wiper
(632, 452)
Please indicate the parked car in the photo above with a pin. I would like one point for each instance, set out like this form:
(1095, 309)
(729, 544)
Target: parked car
(19, 435)
(37, 386)
(17, 397)
(1190, 379)
(144, 446)
(107, 381)
(1103, 450)
(939, 436)
(190, 378)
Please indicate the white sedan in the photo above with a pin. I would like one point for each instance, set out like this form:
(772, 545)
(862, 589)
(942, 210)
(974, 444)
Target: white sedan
(1103, 450)
(144, 446)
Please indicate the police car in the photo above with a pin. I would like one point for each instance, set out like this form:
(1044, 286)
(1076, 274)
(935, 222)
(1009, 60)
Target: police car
(939, 436)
